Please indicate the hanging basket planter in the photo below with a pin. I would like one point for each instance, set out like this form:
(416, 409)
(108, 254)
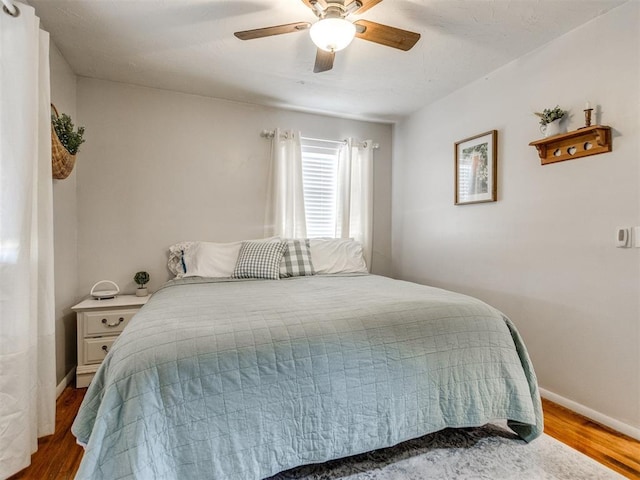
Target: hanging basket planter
(62, 161)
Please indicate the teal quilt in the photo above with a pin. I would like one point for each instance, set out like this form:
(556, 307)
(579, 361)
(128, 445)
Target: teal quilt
(243, 379)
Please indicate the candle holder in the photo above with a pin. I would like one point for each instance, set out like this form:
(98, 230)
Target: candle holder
(587, 117)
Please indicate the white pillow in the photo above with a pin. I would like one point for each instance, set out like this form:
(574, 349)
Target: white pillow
(208, 259)
(176, 261)
(337, 255)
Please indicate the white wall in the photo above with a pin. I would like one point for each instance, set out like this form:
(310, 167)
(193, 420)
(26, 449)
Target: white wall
(159, 167)
(544, 253)
(63, 96)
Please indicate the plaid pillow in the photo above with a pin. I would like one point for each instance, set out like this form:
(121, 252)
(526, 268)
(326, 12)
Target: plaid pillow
(259, 260)
(296, 261)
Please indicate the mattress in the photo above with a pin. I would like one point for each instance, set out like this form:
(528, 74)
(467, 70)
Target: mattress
(243, 379)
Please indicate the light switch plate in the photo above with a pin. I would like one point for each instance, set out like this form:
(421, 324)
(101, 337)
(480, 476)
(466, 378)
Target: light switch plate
(622, 237)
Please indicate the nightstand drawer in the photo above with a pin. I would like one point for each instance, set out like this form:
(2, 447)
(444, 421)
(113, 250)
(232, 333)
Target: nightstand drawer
(107, 323)
(99, 323)
(95, 349)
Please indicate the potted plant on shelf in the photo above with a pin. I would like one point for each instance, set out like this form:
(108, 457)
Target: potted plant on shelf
(550, 119)
(141, 278)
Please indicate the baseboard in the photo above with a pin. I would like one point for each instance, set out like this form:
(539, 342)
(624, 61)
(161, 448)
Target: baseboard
(68, 378)
(616, 425)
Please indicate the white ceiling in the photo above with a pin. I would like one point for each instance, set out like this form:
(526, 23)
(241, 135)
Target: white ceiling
(189, 46)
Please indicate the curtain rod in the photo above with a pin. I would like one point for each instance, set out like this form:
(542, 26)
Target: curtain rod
(9, 8)
(271, 133)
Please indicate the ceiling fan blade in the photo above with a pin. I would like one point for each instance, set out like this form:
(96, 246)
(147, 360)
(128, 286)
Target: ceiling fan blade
(324, 61)
(386, 35)
(276, 30)
(366, 5)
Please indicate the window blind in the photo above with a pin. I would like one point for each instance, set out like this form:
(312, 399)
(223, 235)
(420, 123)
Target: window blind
(320, 178)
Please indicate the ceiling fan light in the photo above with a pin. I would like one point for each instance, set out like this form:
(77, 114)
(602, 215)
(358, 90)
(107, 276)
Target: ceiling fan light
(332, 34)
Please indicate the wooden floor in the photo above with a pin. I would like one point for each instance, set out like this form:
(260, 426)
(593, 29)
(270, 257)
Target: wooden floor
(616, 451)
(58, 455)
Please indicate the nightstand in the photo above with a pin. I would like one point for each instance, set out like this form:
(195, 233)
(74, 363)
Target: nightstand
(99, 324)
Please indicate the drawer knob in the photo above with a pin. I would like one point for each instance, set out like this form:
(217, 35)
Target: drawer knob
(106, 322)
(105, 349)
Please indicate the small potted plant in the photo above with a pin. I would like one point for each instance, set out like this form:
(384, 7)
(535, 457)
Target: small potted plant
(550, 120)
(141, 278)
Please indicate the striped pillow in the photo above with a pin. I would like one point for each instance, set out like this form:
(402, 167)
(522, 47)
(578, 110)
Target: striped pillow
(259, 260)
(296, 261)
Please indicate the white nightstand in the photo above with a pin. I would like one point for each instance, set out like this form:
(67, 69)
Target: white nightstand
(99, 324)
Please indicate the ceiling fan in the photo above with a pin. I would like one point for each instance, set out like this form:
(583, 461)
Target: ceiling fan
(333, 31)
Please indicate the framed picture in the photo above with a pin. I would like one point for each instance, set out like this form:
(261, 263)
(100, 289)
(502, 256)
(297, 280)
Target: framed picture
(476, 163)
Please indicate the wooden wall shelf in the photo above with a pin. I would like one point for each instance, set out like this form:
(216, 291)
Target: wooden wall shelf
(579, 143)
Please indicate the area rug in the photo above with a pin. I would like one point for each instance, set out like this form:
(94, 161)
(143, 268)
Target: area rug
(492, 452)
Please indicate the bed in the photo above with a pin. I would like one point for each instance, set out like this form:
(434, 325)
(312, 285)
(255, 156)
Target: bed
(241, 379)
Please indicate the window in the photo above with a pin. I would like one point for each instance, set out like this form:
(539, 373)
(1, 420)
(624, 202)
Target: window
(320, 179)
(9, 250)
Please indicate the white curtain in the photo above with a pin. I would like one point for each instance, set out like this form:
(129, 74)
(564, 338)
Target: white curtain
(355, 194)
(285, 214)
(27, 344)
